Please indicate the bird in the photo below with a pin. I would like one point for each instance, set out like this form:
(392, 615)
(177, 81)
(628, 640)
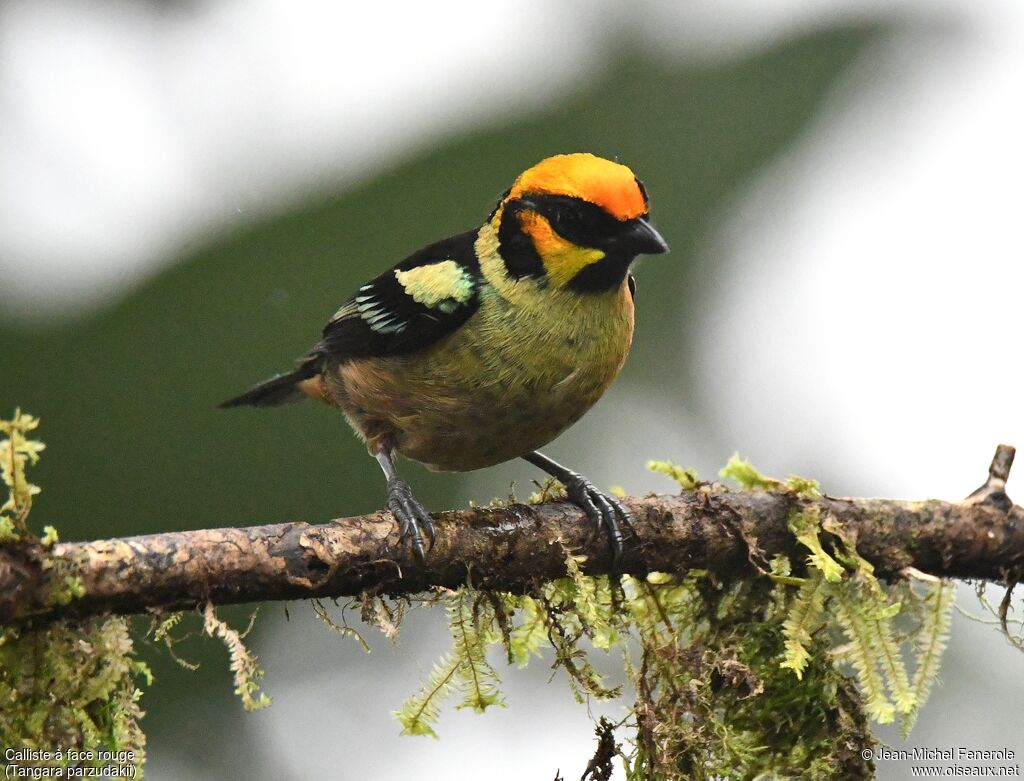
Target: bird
(485, 346)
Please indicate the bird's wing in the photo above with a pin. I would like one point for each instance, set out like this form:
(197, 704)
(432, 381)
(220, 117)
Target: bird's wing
(424, 298)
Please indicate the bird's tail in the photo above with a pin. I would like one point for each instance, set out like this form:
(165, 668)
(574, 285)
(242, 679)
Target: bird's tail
(282, 389)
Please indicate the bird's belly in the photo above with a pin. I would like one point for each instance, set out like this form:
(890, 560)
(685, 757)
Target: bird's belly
(493, 425)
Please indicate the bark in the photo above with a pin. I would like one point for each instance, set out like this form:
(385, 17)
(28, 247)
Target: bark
(730, 533)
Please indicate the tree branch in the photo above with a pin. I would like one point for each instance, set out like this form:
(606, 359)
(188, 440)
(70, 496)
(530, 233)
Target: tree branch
(729, 533)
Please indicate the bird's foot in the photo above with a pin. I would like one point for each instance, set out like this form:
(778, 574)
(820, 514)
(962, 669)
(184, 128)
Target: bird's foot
(413, 518)
(604, 512)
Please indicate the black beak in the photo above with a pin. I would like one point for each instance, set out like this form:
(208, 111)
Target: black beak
(640, 238)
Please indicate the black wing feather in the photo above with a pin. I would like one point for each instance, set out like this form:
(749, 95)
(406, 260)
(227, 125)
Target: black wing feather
(382, 319)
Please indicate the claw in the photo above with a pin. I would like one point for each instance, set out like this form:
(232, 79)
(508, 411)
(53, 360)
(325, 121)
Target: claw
(411, 516)
(603, 511)
(428, 526)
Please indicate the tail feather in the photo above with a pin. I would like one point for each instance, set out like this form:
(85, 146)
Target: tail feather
(282, 389)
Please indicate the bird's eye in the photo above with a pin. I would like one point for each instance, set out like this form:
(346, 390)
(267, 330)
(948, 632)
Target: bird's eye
(567, 218)
(573, 219)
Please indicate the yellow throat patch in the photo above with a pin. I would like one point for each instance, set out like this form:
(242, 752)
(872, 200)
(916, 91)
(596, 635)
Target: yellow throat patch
(562, 259)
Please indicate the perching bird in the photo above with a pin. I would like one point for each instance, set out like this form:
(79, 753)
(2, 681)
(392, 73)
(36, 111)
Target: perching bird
(485, 346)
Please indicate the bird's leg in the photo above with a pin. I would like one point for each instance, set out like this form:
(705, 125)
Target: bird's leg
(410, 514)
(603, 510)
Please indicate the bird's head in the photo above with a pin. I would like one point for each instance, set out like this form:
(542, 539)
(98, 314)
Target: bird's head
(577, 221)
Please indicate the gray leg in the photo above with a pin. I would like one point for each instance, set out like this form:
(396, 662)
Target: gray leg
(410, 514)
(604, 511)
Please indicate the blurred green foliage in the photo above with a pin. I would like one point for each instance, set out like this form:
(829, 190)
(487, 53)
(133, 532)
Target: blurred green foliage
(129, 394)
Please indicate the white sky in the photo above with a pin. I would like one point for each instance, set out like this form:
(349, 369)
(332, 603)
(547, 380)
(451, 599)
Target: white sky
(129, 128)
(876, 299)
(880, 271)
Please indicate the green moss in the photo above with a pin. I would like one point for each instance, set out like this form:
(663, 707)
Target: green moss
(67, 589)
(769, 677)
(17, 451)
(687, 478)
(702, 664)
(73, 686)
(748, 478)
(69, 689)
(246, 670)
(50, 537)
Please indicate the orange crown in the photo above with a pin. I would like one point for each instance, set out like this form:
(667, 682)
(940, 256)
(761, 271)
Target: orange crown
(611, 186)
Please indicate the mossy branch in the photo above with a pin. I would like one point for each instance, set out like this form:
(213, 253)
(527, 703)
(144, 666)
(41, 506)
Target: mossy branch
(709, 527)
